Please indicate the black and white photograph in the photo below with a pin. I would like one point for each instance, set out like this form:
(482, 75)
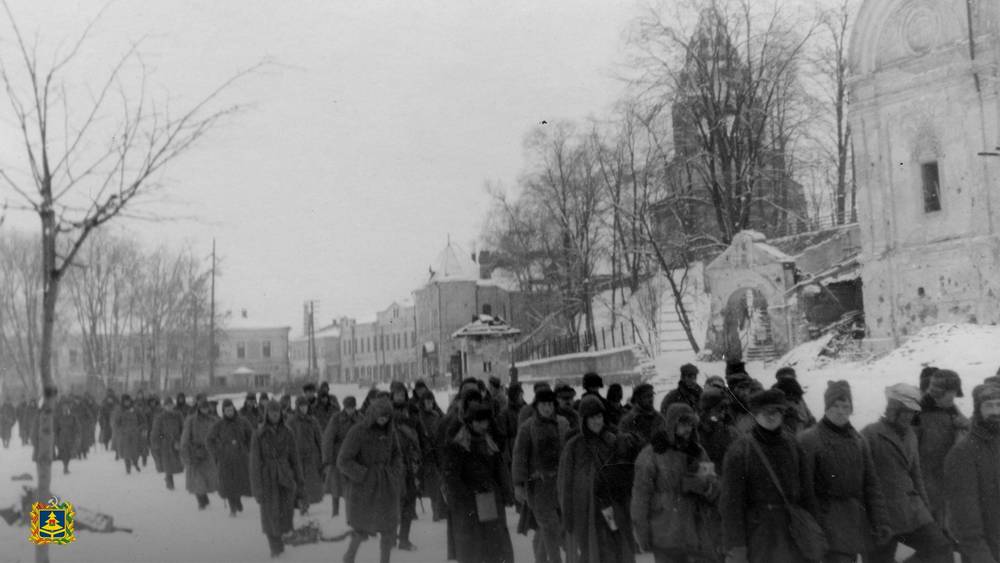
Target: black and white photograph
(560, 281)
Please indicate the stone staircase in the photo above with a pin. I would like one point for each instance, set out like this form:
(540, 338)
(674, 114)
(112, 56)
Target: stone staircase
(672, 338)
(761, 347)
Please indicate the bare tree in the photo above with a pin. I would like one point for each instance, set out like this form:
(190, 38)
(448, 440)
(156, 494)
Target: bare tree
(84, 167)
(20, 308)
(723, 81)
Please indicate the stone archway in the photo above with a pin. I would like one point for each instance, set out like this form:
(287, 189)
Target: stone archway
(746, 323)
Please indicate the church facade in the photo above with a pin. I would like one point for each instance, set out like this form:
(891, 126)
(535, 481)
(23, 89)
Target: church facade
(924, 119)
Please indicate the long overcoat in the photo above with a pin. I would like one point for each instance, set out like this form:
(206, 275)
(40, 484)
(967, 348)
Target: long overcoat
(938, 430)
(586, 464)
(8, 416)
(973, 493)
(104, 414)
(68, 430)
(275, 476)
(165, 441)
(333, 436)
(848, 496)
(229, 443)
(308, 442)
(673, 508)
(127, 436)
(473, 465)
(371, 462)
(897, 464)
(200, 473)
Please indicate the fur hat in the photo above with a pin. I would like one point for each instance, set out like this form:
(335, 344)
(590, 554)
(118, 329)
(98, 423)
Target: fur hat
(494, 382)
(711, 397)
(592, 380)
(735, 366)
(228, 403)
(905, 395)
(309, 387)
(200, 399)
(945, 380)
(264, 396)
(251, 396)
(736, 379)
(925, 377)
(983, 393)
(378, 408)
(790, 387)
(589, 406)
(837, 391)
(642, 389)
(615, 392)
(514, 392)
(544, 396)
(301, 400)
(769, 398)
(689, 370)
(715, 381)
(565, 389)
(539, 385)
(350, 401)
(479, 412)
(786, 371)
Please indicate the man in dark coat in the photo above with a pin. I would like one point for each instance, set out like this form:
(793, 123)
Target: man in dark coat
(714, 432)
(182, 405)
(200, 474)
(324, 406)
(104, 418)
(371, 461)
(430, 467)
(250, 410)
(564, 405)
(535, 471)
(755, 522)
(165, 441)
(851, 507)
(894, 449)
(799, 417)
(8, 416)
(275, 476)
(67, 433)
(26, 411)
(939, 426)
(642, 421)
(507, 418)
(688, 391)
(477, 486)
(973, 485)
(127, 425)
(309, 443)
(333, 436)
(613, 402)
(229, 443)
(527, 411)
(412, 441)
(740, 386)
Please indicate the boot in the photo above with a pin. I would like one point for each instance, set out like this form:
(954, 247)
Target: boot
(352, 548)
(336, 506)
(128, 468)
(170, 481)
(404, 535)
(386, 541)
(276, 545)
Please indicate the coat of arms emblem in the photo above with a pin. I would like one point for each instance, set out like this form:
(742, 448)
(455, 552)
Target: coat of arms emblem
(52, 522)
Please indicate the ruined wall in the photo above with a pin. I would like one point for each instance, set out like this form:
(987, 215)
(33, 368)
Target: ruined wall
(919, 98)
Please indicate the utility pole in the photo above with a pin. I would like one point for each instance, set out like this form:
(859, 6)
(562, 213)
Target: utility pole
(310, 328)
(211, 325)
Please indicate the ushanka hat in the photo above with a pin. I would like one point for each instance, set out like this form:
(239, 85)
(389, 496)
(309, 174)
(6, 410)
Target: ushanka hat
(837, 391)
(764, 399)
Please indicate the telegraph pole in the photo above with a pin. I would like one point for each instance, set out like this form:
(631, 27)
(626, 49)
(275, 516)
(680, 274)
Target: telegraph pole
(211, 325)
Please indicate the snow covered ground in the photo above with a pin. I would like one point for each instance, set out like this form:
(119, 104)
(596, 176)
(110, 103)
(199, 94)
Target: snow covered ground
(169, 528)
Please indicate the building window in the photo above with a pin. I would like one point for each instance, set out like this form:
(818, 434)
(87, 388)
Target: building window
(241, 350)
(266, 349)
(487, 309)
(930, 178)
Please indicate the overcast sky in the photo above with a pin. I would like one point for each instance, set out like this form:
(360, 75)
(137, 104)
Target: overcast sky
(368, 141)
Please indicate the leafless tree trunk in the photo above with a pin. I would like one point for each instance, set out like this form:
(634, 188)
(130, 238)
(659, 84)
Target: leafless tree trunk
(85, 168)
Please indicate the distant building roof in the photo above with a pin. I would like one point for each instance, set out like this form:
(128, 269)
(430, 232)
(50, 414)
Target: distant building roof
(242, 320)
(486, 326)
(453, 264)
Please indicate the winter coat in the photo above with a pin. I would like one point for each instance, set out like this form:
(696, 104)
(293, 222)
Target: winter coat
(323, 411)
(849, 498)
(474, 465)
(430, 468)
(104, 418)
(537, 449)
(25, 419)
(642, 424)
(275, 476)
(938, 430)
(200, 474)
(592, 478)
(333, 437)
(897, 465)
(716, 437)
(371, 461)
(8, 416)
(673, 502)
(254, 415)
(308, 442)
(973, 494)
(146, 421)
(165, 441)
(229, 443)
(127, 435)
(673, 509)
(68, 433)
(752, 508)
(799, 416)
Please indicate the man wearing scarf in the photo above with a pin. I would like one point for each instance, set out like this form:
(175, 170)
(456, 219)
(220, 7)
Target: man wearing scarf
(973, 487)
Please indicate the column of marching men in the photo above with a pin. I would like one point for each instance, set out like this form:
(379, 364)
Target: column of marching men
(729, 471)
